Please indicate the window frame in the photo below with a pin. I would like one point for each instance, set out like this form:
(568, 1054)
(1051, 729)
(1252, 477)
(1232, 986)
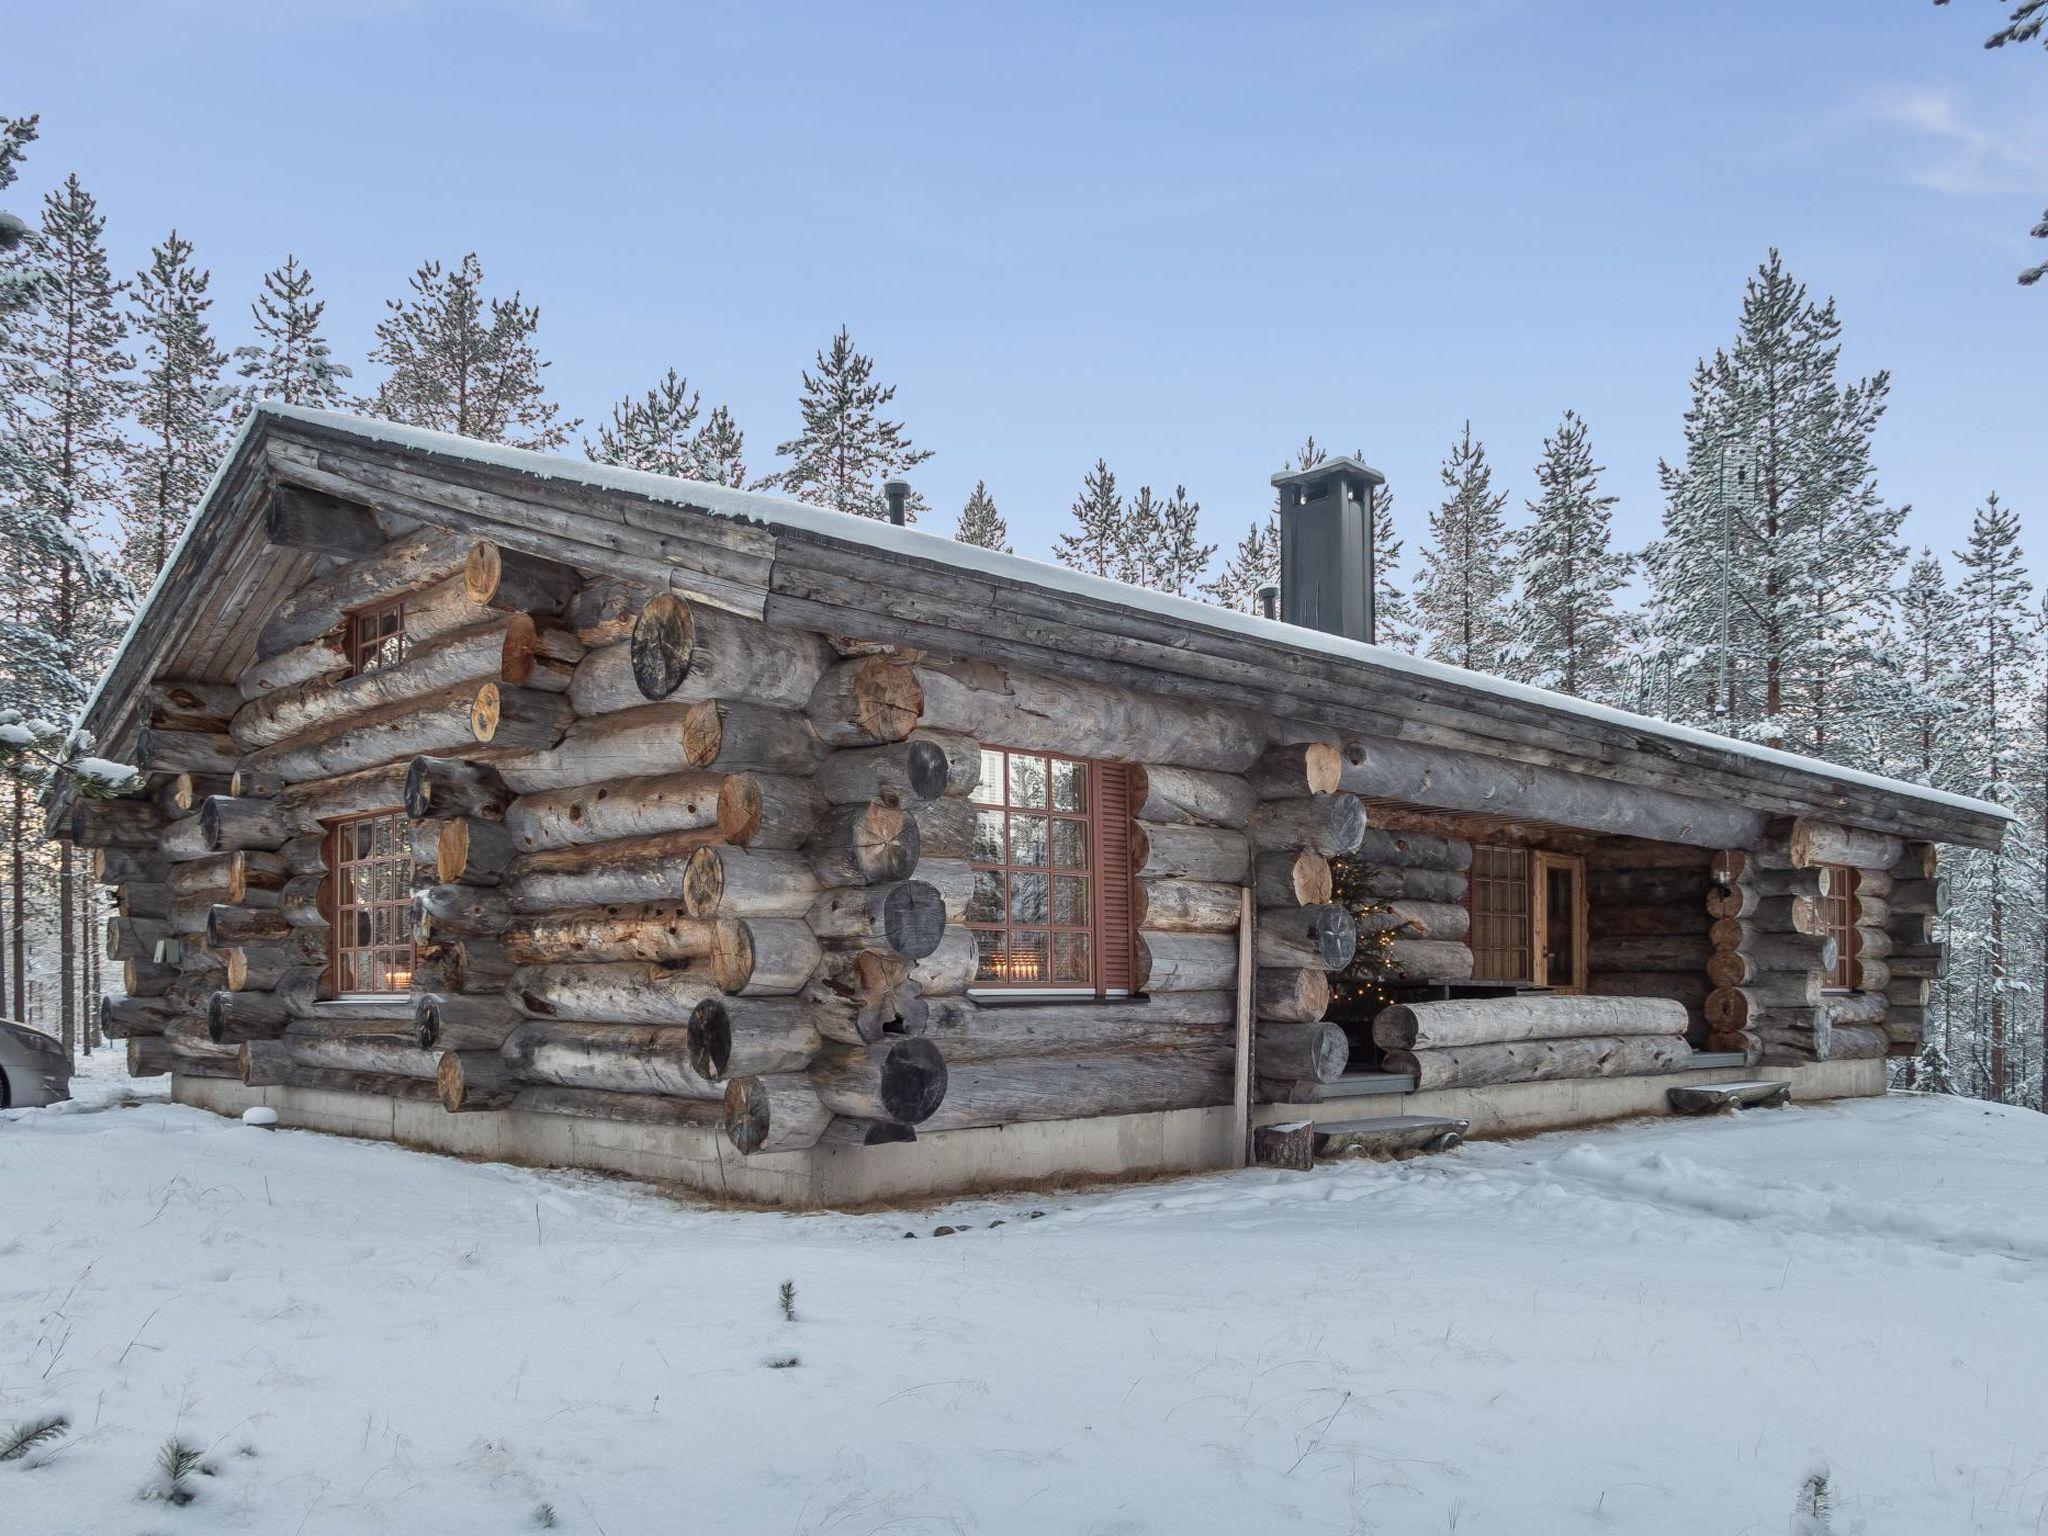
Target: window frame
(1532, 883)
(1838, 920)
(1108, 861)
(363, 636)
(336, 911)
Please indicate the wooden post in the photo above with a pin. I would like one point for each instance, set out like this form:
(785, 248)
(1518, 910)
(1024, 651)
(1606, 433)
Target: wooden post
(1242, 1075)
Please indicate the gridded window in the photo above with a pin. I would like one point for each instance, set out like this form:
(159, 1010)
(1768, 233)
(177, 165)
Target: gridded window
(1500, 914)
(1037, 908)
(369, 859)
(376, 637)
(1838, 912)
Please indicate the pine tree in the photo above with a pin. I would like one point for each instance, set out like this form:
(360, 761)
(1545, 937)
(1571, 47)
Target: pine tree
(1567, 622)
(656, 431)
(1393, 612)
(846, 448)
(462, 364)
(17, 295)
(1172, 556)
(981, 523)
(1099, 542)
(291, 361)
(180, 408)
(1462, 596)
(721, 451)
(66, 394)
(1255, 563)
(1927, 648)
(1994, 597)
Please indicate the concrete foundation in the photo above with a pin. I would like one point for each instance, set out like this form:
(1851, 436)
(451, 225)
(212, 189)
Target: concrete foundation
(1111, 1146)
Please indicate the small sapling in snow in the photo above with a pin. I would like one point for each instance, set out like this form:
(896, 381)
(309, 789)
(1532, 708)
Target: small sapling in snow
(175, 1464)
(787, 1296)
(29, 1434)
(544, 1516)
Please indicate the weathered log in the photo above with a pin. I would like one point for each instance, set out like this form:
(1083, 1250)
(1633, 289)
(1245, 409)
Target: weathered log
(453, 1022)
(475, 1080)
(1035, 713)
(1823, 842)
(621, 1108)
(298, 518)
(400, 567)
(124, 1018)
(1216, 854)
(780, 1112)
(618, 992)
(1668, 952)
(1325, 936)
(1738, 968)
(596, 813)
(1075, 1088)
(1629, 887)
(865, 701)
(1685, 988)
(227, 925)
(623, 1058)
(1449, 886)
(865, 845)
(649, 932)
(149, 898)
(452, 721)
(1857, 1042)
(1537, 1016)
(1301, 1052)
(906, 917)
(684, 652)
(261, 967)
(736, 736)
(1300, 878)
(183, 793)
(1184, 962)
(904, 772)
(303, 900)
(228, 825)
(725, 1043)
(1740, 1007)
(1448, 779)
(763, 956)
(768, 810)
(1302, 768)
(968, 1032)
(321, 658)
(1419, 960)
(1854, 1008)
(149, 1057)
(1789, 952)
(1535, 1061)
(945, 827)
(453, 911)
(438, 788)
(1184, 906)
(232, 1017)
(125, 824)
(144, 977)
(496, 577)
(161, 751)
(948, 969)
(954, 880)
(627, 870)
(479, 965)
(136, 938)
(1872, 974)
(188, 704)
(738, 882)
(1917, 861)
(1785, 914)
(1191, 797)
(472, 851)
(1633, 922)
(1430, 919)
(1292, 994)
(1413, 850)
(903, 1081)
(1328, 824)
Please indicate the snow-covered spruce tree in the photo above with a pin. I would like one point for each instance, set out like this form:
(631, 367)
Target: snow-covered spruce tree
(66, 392)
(1099, 543)
(846, 448)
(1175, 556)
(1566, 619)
(1462, 596)
(180, 408)
(1393, 610)
(461, 363)
(17, 294)
(1255, 563)
(290, 360)
(721, 450)
(981, 523)
(656, 431)
(1993, 693)
(1926, 654)
(1777, 555)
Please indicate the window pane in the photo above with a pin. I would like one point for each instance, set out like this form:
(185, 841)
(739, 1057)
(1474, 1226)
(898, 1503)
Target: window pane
(985, 905)
(1069, 786)
(988, 837)
(1027, 898)
(1027, 840)
(1070, 958)
(990, 786)
(991, 966)
(1028, 956)
(1027, 781)
(1069, 844)
(1070, 902)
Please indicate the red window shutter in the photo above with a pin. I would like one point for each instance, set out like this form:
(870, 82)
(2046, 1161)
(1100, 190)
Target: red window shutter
(1113, 877)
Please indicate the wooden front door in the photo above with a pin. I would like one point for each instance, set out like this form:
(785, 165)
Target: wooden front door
(1558, 907)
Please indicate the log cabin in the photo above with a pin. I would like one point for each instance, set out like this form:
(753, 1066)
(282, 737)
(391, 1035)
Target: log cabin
(520, 807)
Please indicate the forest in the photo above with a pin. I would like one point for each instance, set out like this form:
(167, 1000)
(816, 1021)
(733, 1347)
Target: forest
(1784, 601)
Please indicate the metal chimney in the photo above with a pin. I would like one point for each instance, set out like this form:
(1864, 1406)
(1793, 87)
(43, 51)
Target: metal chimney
(897, 493)
(1326, 547)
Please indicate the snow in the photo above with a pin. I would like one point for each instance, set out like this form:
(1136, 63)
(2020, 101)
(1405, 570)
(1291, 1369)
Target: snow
(13, 735)
(104, 770)
(1667, 1326)
(777, 511)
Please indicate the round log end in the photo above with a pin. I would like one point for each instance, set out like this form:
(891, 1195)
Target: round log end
(1141, 962)
(703, 733)
(887, 842)
(913, 1080)
(1324, 761)
(217, 1017)
(703, 882)
(926, 771)
(209, 823)
(417, 802)
(484, 712)
(238, 878)
(914, 919)
(482, 570)
(887, 700)
(1314, 881)
(448, 1083)
(1141, 846)
(747, 1114)
(664, 640)
(522, 643)
(451, 851)
(234, 963)
(426, 1021)
(732, 956)
(710, 1041)
(182, 791)
(739, 808)
(1334, 933)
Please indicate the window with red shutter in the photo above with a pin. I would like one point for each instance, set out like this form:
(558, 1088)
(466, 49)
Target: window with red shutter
(1051, 904)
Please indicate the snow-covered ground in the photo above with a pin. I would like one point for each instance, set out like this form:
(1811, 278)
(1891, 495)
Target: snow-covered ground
(1663, 1327)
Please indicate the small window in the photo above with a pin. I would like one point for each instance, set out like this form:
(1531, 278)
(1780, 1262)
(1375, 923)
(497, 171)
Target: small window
(376, 637)
(1050, 905)
(1501, 929)
(1838, 914)
(369, 861)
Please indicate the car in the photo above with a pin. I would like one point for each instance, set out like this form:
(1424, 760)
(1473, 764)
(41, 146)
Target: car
(33, 1067)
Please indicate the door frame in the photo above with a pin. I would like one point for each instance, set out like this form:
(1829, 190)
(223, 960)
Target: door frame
(1541, 863)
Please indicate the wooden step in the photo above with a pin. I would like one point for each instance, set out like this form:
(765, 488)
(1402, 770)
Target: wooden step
(1393, 1136)
(1351, 1085)
(1711, 1098)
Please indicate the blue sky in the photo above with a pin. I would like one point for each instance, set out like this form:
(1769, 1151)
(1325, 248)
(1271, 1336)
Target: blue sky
(1176, 236)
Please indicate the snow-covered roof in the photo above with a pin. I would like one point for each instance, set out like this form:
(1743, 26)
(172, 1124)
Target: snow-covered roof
(782, 513)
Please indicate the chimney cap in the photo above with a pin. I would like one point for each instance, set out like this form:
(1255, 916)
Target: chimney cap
(1328, 469)
(896, 486)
